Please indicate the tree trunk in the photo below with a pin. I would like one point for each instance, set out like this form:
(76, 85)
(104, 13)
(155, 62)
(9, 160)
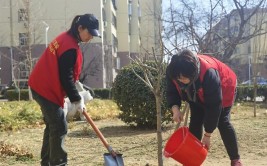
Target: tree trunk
(159, 131)
(186, 112)
(254, 96)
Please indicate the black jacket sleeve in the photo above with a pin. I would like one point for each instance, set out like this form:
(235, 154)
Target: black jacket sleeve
(66, 66)
(173, 97)
(212, 99)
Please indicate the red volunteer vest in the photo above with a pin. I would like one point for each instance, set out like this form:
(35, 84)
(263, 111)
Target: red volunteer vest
(44, 78)
(227, 77)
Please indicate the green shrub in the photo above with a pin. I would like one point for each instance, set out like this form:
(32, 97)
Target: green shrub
(102, 93)
(16, 115)
(135, 99)
(248, 91)
(15, 94)
(30, 115)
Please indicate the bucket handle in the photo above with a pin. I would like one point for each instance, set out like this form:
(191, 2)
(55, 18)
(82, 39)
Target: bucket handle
(184, 131)
(167, 154)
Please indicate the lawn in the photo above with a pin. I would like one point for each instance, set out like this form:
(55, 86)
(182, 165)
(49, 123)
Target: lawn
(21, 146)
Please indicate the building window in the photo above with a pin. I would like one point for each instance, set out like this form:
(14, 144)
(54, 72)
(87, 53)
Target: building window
(236, 51)
(118, 63)
(249, 49)
(22, 15)
(23, 66)
(114, 2)
(105, 23)
(139, 12)
(130, 8)
(24, 74)
(115, 43)
(234, 30)
(104, 15)
(114, 21)
(23, 39)
(104, 36)
(130, 29)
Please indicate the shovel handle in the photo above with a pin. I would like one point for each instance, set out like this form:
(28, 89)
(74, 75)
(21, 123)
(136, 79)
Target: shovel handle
(98, 132)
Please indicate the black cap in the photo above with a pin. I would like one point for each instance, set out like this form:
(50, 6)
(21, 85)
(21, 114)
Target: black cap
(92, 24)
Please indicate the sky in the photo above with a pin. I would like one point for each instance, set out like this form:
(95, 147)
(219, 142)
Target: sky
(227, 3)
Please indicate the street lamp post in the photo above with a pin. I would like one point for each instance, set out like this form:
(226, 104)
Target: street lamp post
(46, 30)
(249, 69)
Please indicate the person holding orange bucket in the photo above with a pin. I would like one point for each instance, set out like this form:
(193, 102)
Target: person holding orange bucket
(209, 86)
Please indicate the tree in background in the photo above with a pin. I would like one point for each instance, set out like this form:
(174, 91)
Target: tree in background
(214, 27)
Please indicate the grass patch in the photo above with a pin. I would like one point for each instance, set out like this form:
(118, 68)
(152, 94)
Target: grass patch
(102, 109)
(20, 153)
(15, 115)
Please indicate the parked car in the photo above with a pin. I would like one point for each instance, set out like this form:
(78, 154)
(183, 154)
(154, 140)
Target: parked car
(260, 81)
(3, 86)
(21, 84)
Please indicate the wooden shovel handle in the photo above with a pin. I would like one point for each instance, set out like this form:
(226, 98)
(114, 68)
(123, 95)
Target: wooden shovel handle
(97, 131)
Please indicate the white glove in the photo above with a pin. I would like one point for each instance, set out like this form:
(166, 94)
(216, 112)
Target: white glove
(79, 106)
(79, 86)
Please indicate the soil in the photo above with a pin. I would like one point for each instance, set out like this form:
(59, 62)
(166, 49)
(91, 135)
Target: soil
(139, 147)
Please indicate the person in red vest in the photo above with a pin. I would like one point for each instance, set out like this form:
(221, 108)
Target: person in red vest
(209, 86)
(53, 78)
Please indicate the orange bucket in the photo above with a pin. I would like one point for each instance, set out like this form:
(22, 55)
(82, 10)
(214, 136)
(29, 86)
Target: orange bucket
(185, 148)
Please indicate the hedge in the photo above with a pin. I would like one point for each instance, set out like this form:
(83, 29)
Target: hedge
(248, 91)
(15, 94)
(242, 93)
(103, 93)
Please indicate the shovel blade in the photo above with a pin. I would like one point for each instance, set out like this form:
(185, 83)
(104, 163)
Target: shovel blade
(113, 161)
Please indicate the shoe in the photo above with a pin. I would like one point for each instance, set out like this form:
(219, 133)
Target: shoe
(236, 162)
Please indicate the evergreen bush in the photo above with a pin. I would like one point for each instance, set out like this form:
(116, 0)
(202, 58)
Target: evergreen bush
(102, 93)
(135, 99)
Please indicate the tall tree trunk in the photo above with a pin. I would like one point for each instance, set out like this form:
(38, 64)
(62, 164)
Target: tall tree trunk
(254, 96)
(159, 130)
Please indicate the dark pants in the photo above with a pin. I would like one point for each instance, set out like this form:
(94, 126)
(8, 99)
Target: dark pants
(226, 129)
(52, 153)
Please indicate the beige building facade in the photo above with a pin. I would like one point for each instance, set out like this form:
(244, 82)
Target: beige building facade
(251, 56)
(27, 27)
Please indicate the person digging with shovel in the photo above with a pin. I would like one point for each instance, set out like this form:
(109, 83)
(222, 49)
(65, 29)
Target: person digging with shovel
(54, 77)
(209, 86)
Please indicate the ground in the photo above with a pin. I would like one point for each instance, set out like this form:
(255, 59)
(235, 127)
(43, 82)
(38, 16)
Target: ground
(139, 147)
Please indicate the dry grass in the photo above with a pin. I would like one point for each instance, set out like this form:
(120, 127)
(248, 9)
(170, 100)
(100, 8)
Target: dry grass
(139, 147)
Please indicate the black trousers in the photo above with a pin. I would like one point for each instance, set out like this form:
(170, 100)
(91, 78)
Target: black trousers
(226, 129)
(52, 152)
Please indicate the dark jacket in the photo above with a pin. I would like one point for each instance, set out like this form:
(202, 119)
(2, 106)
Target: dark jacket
(208, 88)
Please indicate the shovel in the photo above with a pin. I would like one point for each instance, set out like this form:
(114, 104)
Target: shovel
(111, 158)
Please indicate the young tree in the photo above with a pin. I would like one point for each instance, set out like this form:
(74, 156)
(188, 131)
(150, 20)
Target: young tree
(215, 28)
(154, 84)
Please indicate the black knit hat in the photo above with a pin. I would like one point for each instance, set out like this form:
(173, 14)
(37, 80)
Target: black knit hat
(92, 24)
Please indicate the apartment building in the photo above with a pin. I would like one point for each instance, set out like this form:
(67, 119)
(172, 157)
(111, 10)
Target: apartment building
(27, 27)
(249, 57)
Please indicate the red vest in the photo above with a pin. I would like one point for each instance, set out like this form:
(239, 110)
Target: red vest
(227, 77)
(44, 78)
